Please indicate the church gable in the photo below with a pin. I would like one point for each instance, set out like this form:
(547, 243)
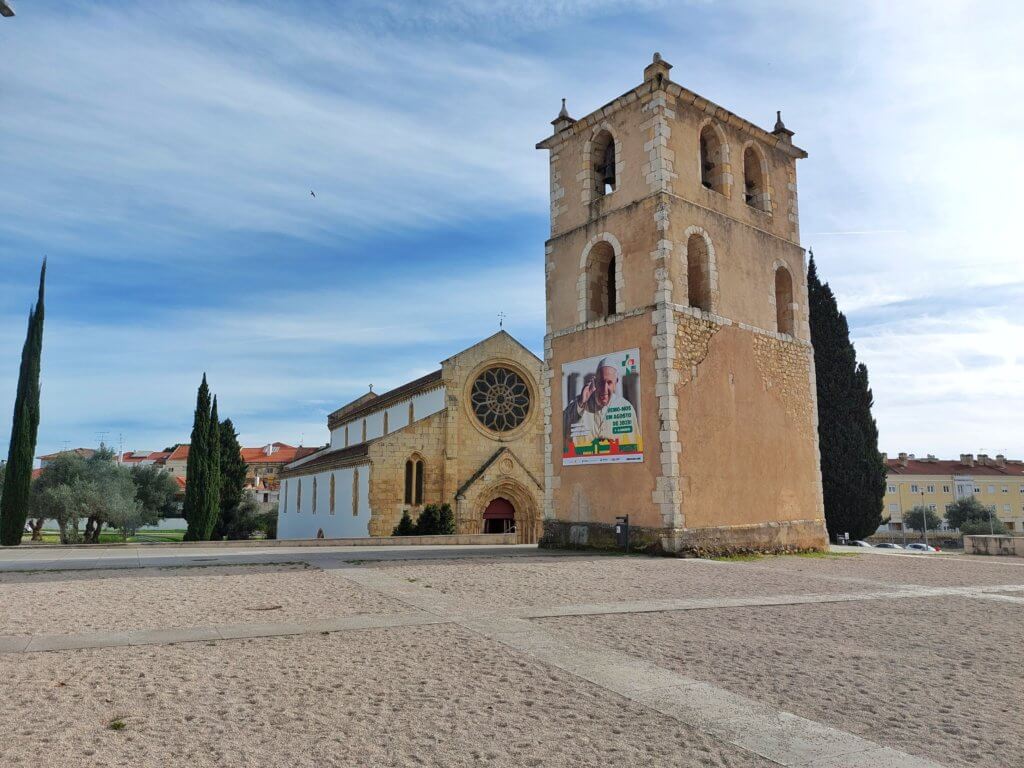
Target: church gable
(504, 462)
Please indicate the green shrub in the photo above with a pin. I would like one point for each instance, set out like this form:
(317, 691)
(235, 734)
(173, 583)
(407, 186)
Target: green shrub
(447, 520)
(267, 522)
(983, 527)
(429, 522)
(405, 526)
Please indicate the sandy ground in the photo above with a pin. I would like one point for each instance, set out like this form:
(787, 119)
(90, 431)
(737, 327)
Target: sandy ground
(937, 677)
(568, 580)
(920, 570)
(940, 677)
(88, 601)
(423, 696)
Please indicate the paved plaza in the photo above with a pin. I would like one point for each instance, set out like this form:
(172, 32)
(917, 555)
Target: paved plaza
(437, 656)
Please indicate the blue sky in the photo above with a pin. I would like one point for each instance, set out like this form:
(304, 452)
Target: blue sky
(162, 155)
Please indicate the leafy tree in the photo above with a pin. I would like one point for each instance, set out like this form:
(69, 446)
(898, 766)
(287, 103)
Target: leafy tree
(231, 523)
(97, 490)
(67, 504)
(447, 520)
(995, 527)
(114, 488)
(916, 517)
(196, 469)
(15, 501)
(267, 523)
(965, 511)
(852, 472)
(405, 526)
(155, 489)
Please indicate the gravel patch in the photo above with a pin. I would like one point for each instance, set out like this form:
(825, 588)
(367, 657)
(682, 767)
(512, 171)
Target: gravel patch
(936, 677)
(423, 696)
(489, 583)
(57, 602)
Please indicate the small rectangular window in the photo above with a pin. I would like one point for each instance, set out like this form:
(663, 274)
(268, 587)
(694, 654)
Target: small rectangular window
(945, 489)
(977, 489)
(894, 508)
(931, 489)
(1005, 489)
(991, 489)
(1006, 508)
(914, 489)
(892, 489)
(932, 507)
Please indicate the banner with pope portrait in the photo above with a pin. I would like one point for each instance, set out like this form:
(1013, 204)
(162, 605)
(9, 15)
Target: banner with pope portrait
(601, 410)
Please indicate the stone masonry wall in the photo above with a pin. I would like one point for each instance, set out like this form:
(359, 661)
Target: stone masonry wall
(785, 369)
(387, 479)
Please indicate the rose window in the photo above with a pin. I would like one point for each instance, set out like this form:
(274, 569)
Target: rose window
(500, 399)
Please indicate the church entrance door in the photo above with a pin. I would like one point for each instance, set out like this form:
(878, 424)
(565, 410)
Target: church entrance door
(500, 516)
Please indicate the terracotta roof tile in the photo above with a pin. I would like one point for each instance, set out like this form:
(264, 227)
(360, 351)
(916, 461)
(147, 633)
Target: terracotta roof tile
(179, 454)
(330, 459)
(951, 467)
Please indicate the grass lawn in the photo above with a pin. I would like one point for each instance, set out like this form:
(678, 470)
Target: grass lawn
(113, 537)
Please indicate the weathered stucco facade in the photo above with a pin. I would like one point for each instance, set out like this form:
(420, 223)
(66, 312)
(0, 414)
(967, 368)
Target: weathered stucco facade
(674, 231)
(425, 443)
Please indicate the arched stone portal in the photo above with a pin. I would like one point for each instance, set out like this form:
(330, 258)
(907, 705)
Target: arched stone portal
(499, 516)
(491, 508)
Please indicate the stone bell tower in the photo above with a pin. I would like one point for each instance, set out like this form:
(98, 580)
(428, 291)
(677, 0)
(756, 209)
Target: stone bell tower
(679, 371)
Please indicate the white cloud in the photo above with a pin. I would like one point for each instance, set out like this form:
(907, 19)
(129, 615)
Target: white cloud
(275, 362)
(149, 127)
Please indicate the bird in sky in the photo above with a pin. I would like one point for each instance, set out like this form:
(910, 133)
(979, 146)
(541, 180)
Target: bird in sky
(312, 193)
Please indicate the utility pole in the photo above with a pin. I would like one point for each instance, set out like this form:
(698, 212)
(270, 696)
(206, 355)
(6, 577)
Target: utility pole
(924, 517)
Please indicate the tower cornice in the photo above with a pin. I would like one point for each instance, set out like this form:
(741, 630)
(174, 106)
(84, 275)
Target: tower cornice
(782, 141)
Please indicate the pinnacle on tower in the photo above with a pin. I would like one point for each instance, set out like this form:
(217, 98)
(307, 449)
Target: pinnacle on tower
(563, 120)
(780, 128)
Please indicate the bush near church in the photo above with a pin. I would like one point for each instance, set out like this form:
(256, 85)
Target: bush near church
(434, 520)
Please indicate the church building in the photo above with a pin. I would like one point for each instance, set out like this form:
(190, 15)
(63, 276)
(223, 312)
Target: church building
(678, 362)
(468, 434)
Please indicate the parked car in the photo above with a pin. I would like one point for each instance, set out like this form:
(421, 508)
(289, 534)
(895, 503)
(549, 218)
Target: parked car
(859, 543)
(888, 545)
(919, 547)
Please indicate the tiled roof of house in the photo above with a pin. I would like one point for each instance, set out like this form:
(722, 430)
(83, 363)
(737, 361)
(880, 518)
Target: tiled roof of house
(951, 467)
(85, 453)
(348, 413)
(180, 453)
(282, 454)
(159, 457)
(133, 457)
(326, 458)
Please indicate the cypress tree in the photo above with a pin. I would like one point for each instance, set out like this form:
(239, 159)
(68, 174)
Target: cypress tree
(232, 482)
(211, 493)
(196, 468)
(24, 427)
(852, 471)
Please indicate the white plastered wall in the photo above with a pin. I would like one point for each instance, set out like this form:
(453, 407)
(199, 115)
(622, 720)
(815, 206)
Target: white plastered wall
(296, 523)
(424, 404)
